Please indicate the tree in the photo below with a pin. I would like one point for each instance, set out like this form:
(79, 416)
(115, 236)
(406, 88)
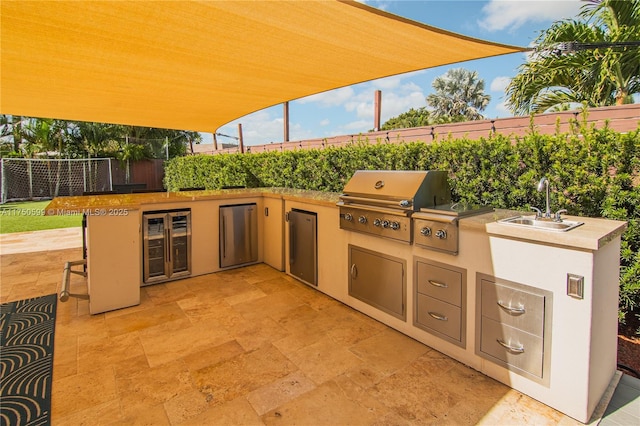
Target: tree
(561, 72)
(177, 140)
(459, 96)
(11, 130)
(96, 139)
(43, 135)
(412, 118)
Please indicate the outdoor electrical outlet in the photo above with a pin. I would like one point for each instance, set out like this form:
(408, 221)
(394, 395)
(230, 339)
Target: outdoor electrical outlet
(575, 286)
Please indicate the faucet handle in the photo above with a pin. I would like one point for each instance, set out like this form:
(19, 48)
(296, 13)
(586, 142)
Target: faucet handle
(538, 212)
(558, 218)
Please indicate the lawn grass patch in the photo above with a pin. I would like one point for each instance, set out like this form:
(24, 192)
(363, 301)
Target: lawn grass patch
(29, 216)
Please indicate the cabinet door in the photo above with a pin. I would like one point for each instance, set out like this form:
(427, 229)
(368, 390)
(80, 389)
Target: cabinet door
(180, 252)
(379, 280)
(155, 248)
(238, 235)
(273, 234)
(303, 246)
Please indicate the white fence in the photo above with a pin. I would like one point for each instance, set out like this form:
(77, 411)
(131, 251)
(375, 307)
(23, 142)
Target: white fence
(35, 179)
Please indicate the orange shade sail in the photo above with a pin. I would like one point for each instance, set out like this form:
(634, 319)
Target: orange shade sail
(197, 65)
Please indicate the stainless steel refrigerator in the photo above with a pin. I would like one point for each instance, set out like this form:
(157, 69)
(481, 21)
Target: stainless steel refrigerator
(166, 245)
(303, 246)
(238, 235)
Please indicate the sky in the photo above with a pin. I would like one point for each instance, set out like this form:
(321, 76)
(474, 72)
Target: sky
(350, 110)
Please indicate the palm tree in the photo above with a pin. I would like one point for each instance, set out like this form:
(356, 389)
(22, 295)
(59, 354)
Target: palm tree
(11, 129)
(562, 71)
(97, 138)
(459, 96)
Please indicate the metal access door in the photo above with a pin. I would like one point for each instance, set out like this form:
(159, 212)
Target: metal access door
(378, 280)
(303, 246)
(238, 235)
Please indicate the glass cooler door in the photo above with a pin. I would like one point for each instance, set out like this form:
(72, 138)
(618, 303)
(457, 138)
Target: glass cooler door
(155, 248)
(180, 256)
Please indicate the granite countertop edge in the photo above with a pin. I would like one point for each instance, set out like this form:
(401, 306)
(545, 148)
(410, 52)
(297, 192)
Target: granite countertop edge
(593, 235)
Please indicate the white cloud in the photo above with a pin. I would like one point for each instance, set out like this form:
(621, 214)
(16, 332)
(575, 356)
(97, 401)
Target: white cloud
(257, 128)
(394, 105)
(398, 96)
(499, 84)
(502, 110)
(356, 127)
(512, 14)
(330, 98)
(325, 122)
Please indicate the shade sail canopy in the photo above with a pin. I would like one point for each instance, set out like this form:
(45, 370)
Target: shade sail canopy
(197, 65)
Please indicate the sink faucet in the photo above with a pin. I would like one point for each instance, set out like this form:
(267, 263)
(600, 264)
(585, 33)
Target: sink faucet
(544, 184)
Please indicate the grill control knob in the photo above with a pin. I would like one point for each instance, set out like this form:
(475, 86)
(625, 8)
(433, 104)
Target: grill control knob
(362, 219)
(426, 231)
(348, 217)
(395, 225)
(377, 222)
(441, 233)
(385, 223)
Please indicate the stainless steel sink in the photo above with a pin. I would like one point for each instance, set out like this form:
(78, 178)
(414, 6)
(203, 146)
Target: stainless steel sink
(536, 223)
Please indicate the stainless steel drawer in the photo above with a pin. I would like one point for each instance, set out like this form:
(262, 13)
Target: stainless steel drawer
(514, 347)
(442, 283)
(514, 307)
(439, 316)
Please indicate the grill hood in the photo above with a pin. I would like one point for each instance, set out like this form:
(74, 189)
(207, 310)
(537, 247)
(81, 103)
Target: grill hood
(404, 189)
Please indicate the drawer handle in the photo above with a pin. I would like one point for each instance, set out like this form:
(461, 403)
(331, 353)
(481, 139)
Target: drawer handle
(514, 349)
(354, 271)
(512, 310)
(438, 316)
(438, 284)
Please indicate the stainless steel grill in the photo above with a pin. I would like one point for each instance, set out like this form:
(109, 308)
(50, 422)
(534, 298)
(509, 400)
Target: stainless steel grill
(380, 202)
(406, 206)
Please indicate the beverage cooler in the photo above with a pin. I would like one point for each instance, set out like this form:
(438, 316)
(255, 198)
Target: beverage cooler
(167, 245)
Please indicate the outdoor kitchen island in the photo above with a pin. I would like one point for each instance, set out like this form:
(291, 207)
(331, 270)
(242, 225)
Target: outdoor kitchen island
(565, 356)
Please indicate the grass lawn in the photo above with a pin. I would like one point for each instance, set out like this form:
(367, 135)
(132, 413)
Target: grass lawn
(29, 216)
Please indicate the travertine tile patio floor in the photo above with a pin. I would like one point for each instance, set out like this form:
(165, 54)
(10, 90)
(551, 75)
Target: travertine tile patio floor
(249, 346)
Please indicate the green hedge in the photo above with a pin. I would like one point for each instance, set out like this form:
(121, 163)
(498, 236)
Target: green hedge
(593, 172)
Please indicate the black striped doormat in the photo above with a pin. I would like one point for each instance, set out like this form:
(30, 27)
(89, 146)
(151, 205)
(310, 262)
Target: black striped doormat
(26, 360)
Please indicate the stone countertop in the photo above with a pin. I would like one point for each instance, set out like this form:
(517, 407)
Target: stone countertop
(592, 235)
(93, 204)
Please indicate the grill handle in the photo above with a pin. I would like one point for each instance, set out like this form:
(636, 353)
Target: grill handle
(403, 204)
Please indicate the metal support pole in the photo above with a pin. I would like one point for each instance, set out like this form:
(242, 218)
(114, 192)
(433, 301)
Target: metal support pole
(3, 195)
(377, 108)
(240, 143)
(286, 121)
(110, 176)
(30, 180)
